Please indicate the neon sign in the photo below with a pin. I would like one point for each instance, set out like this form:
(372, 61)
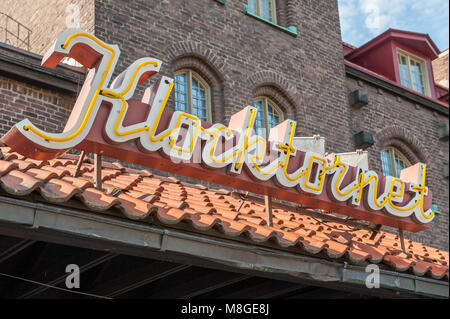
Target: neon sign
(106, 120)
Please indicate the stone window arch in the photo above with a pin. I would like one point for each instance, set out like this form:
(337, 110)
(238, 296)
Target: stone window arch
(278, 97)
(405, 142)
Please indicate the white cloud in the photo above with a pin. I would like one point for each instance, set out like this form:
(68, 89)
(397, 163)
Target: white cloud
(362, 20)
(382, 14)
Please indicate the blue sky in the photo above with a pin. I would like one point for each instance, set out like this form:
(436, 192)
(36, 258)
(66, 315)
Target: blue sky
(362, 20)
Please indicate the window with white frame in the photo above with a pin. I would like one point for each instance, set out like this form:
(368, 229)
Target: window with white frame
(266, 9)
(413, 72)
(268, 116)
(392, 162)
(192, 94)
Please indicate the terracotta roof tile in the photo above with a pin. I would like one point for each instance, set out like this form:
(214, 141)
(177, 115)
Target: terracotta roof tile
(140, 195)
(58, 191)
(335, 249)
(232, 227)
(135, 208)
(97, 200)
(24, 165)
(6, 167)
(41, 174)
(19, 183)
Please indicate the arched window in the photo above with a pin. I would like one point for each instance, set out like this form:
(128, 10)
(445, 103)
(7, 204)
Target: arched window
(392, 162)
(268, 116)
(192, 94)
(266, 9)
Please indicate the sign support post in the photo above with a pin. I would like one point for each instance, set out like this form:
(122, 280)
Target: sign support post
(98, 171)
(268, 206)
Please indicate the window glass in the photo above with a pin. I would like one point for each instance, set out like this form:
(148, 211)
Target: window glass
(404, 72)
(412, 73)
(392, 162)
(252, 6)
(386, 163)
(269, 115)
(417, 76)
(192, 95)
(266, 9)
(259, 120)
(263, 8)
(181, 92)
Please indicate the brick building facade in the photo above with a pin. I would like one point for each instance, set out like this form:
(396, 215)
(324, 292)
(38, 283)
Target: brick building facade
(302, 70)
(440, 69)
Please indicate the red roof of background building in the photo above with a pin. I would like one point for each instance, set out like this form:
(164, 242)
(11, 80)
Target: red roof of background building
(419, 41)
(139, 195)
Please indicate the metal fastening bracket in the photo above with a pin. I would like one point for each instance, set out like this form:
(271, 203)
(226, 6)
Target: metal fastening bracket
(241, 203)
(80, 161)
(375, 231)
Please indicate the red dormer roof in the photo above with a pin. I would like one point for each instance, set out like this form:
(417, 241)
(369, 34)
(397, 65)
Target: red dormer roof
(348, 48)
(420, 42)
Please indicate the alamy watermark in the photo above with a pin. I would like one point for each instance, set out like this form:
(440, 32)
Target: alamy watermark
(73, 277)
(373, 279)
(72, 16)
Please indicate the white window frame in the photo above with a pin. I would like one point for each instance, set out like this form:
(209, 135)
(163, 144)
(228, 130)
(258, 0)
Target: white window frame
(189, 76)
(423, 64)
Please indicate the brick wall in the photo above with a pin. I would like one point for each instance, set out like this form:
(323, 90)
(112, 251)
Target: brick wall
(414, 130)
(46, 108)
(239, 55)
(47, 18)
(440, 68)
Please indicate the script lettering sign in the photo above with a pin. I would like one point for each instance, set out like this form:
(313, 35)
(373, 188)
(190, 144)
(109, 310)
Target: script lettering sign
(106, 120)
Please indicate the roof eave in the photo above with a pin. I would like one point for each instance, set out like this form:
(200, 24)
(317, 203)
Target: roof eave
(390, 34)
(55, 224)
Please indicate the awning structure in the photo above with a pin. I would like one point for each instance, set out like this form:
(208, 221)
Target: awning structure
(142, 214)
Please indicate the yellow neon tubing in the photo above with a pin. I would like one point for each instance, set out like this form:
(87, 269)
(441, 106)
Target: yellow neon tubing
(94, 99)
(240, 151)
(158, 118)
(288, 152)
(122, 111)
(361, 185)
(308, 175)
(197, 126)
(108, 93)
(259, 157)
(213, 148)
(130, 83)
(421, 189)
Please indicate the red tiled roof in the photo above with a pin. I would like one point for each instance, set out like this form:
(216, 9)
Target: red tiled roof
(140, 195)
